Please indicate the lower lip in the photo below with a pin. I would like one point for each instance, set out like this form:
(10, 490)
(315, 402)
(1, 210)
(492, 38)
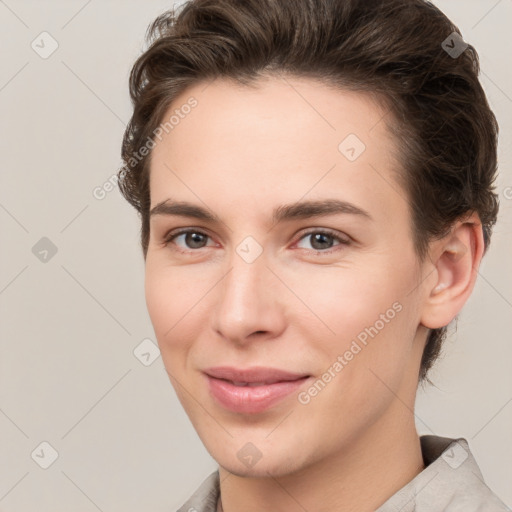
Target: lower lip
(251, 399)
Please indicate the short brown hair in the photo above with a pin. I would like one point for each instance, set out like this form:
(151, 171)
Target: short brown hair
(397, 49)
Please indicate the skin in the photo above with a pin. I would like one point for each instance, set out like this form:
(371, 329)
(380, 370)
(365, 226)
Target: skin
(242, 152)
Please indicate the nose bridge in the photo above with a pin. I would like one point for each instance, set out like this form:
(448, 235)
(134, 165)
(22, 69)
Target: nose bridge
(245, 303)
(243, 286)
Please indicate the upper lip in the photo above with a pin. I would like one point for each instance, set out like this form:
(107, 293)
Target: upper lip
(254, 374)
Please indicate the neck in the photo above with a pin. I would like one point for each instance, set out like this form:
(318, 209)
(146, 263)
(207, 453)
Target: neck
(384, 459)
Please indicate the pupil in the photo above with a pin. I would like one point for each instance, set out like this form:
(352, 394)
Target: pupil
(318, 238)
(195, 239)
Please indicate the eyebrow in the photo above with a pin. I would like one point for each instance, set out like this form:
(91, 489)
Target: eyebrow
(285, 212)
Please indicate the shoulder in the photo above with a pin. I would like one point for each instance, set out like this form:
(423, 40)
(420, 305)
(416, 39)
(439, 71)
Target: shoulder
(461, 480)
(478, 500)
(450, 482)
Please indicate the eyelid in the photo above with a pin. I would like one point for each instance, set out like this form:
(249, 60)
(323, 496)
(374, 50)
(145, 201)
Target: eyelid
(342, 238)
(174, 233)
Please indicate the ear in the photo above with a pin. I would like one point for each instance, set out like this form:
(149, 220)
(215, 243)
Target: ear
(456, 259)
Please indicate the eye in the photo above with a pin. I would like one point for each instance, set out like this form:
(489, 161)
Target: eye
(322, 240)
(193, 239)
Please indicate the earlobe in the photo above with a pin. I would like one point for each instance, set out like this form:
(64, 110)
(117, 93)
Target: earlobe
(456, 259)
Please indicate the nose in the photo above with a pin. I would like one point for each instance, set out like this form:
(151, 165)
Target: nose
(249, 303)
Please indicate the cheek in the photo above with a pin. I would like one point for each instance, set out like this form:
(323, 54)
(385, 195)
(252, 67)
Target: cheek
(172, 300)
(159, 298)
(342, 302)
(367, 318)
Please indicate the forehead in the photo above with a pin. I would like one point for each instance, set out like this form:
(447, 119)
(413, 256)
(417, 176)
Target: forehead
(278, 141)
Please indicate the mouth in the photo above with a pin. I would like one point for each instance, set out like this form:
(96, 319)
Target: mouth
(251, 391)
(257, 375)
(253, 384)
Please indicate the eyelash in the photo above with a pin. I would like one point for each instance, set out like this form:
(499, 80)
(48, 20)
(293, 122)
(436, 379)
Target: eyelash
(342, 241)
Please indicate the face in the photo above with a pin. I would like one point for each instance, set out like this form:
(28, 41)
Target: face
(307, 265)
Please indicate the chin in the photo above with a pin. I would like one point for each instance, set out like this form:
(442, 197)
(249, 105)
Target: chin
(265, 467)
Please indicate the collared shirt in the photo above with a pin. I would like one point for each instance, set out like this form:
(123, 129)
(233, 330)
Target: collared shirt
(450, 482)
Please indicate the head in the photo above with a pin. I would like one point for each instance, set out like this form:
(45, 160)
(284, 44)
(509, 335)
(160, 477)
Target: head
(246, 108)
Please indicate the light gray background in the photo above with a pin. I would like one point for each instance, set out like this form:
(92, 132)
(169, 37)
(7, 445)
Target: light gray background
(68, 374)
